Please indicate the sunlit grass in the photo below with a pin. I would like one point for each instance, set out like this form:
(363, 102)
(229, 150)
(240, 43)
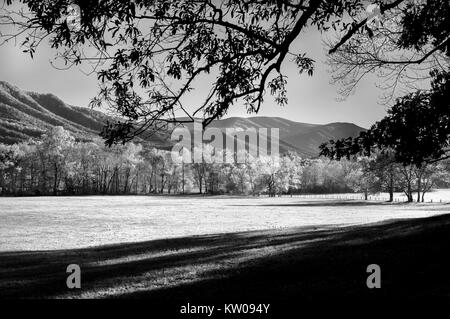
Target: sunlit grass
(48, 223)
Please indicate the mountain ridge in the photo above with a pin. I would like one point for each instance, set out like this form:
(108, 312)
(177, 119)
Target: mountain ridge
(26, 114)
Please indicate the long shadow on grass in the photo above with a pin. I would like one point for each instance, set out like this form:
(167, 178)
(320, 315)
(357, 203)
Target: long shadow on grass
(327, 203)
(288, 264)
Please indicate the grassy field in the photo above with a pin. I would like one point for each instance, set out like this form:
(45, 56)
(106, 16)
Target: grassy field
(225, 248)
(49, 223)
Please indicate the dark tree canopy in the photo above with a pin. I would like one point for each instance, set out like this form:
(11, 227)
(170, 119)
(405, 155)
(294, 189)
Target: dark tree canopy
(411, 48)
(416, 129)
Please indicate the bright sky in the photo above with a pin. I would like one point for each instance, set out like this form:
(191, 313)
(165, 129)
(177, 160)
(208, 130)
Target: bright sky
(310, 99)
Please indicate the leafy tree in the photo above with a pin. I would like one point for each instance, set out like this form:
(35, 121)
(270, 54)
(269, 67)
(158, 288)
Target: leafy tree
(408, 49)
(428, 176)
(82, 172)
(199, 169)
(407, 181)
(416, 129)
(386, 171)
(56, 145)
(11, 158)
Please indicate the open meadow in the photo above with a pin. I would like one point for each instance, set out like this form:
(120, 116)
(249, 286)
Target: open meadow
(174, 249)
(50, 223)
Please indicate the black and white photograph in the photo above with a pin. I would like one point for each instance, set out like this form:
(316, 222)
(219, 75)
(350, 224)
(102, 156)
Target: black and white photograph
(223, 158)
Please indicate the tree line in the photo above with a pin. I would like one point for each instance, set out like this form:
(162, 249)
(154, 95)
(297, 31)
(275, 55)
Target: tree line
(57, 164)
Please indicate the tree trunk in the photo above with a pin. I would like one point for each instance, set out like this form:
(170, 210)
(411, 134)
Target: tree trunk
(137, 182)
(419, 185)
(55, 184)
(162, 183)
(127, 178)
(409, 193)
(391, 185)
(182, 167)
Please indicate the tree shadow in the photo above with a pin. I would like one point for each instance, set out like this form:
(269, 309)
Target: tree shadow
(307, 262)
(328, 203)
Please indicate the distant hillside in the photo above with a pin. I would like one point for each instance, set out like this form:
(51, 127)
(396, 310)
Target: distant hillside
(25, 115)
(28, 114)
(301, 137)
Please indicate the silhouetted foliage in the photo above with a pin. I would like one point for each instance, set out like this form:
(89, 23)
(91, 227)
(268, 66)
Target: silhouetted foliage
(410, 47)
(416, 129)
